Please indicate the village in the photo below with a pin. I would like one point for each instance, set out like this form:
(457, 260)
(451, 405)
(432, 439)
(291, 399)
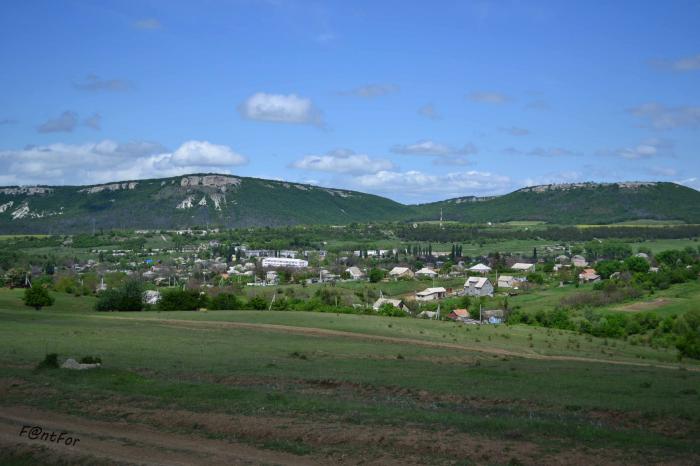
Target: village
(410, 280)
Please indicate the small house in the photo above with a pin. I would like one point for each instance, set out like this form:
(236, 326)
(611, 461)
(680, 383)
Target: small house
(480, 268)
(478, 286)
(579, 261)
(588, 275)
(523, 267)
(426, 272)
(401, 272)
(458, 314)
(506, 281)
(431, 294)
(397, 303)
(355, 273)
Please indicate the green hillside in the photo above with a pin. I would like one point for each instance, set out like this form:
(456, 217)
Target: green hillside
(183, 201)
(584, 203)
(230, 201)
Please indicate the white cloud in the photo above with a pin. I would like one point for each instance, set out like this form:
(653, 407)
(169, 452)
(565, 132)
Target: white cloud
(370, 91)
(280, 108)
(430, 147)
(110, 161)
(682, 64)
(648, 148)
(343, 161)
(659, 116)
(66, 123)
(488, 97)
(417, 184)
(693, 182)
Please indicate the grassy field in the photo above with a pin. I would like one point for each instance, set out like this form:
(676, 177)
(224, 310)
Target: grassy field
(306, 388)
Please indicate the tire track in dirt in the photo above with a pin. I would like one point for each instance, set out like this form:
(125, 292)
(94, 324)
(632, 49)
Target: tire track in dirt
(320, 332)
(122, 442)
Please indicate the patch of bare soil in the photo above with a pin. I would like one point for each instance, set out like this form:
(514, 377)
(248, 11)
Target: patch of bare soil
(644, 305)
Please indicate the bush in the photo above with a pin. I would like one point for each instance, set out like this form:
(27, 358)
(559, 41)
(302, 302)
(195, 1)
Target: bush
(376, 275)
(390, 311)
(225, 301)
(37, 297)
(257, 303)
(128, 297)
(91, 360)
(182, 300)
(50, 362)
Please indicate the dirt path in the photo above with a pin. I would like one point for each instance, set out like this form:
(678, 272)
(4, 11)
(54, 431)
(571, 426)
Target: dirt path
(121, 442)
(320, 332)
(644, 305)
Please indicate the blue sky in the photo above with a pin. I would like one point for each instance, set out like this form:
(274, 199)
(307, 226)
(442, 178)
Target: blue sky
(417, 101)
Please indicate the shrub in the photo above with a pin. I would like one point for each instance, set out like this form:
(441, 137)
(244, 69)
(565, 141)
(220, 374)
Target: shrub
(50, 362)
(128, 297)
(376, 275)
(91, 360)
(37, 297)
(182, 300)
(390, 311)
(257, 303)
(225, 301)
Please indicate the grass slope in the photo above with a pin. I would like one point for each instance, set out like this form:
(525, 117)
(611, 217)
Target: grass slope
(587, 204)
(151, 204)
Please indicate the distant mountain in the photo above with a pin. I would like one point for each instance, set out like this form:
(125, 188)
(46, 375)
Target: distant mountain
(576, 203)
(183, 201)
(232, 201)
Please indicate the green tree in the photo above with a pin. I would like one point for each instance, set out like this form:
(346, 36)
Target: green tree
(376, 275)
(37, 297)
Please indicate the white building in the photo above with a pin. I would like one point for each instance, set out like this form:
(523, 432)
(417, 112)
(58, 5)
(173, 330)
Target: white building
(480, 268)
(478, 286)
(430, 294)
(579, 261)
(523, 267)
(355, 273)
(284, 262)
(401, 272)
(426, 272)
(506, 281)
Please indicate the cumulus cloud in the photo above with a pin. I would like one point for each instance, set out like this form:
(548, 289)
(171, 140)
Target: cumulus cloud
(94, 83)
(661, 117)
(148, 24)
(370, 91)
(692, 182)
(110, 161)
(430, 147)
(488, 97)
(417, 184)
(343, 161)
(94, 121)
(682, 64)
(648, 148)
(280, 108)
(515, 131)
(541, 152)
(66, 123)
